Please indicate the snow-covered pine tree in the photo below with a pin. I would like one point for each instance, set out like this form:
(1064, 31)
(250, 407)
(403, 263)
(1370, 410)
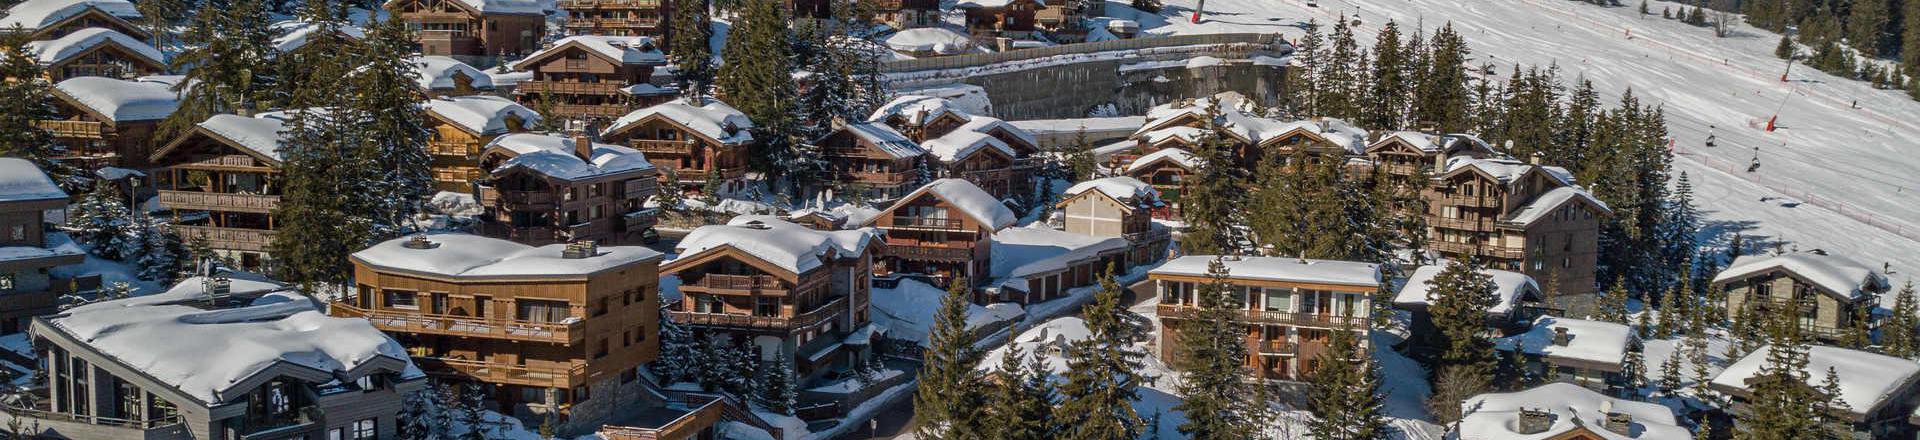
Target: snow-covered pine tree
(319, 221)
(25, 98)
(1213, 347)
(1669, 319)
(226, 61)
(470, 413)
(1461, 295)
(101, 220)
(1670, 373)
(1303, 84)
(395, 175)
(414, 418)
(1388, 84)
(755, 76)
(1898, 333)
(679, 356)
(1613, 304)
(1830, 409)
(1340, 86)
(1634, 368)
(951, 393)
(1022, 403)
(1212, 194)
(689, 43)
(1103, 373)
(1782, 405)
(778, 392)
(1344, 392)
(161, 252)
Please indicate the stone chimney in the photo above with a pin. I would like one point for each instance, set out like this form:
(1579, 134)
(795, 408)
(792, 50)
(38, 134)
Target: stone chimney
(1534, 421)
(1560, 336)
(419, 242)
(583, 146)
(580, 250)
(1536, 158)
(1440, 162)
(1619, 423)
(838, 123)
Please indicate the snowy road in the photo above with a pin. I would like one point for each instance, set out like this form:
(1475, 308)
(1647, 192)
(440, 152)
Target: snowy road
(1854, 168)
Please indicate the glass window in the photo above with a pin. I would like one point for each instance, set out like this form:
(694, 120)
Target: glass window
(538, 310)
(6, 281)
(19, 232)
(400, 299)
(1279, 300)
(766, 306)
(365, 429)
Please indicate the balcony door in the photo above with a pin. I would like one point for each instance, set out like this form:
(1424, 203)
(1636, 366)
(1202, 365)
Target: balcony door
(540, 310)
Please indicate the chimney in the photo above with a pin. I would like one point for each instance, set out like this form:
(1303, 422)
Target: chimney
(580, 250)
(1534, 421)
(217, 287)
(1440, 162)
(419, 242)
(1536, 158)
(1560, 336)
(583, 146)
(839, 122)
(1620, 423)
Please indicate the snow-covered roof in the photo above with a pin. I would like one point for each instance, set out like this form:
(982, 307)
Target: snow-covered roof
(518, 7)
(437, 73)
(987, 124)
(1346, 273)
(208, 353)
(294, 34)
(479, 114)
(714, 119)
(1596, 342)
(262, 134)
(1120, 188)
(1510, 286)
(1036, 249)
(791, 247)
(648, 89)
(623, 50)
(1506, 170)
(36, 14)
(1174, 155)
(890, 141)
(473, 256)
(1048, 339)
(960, 144)
(57, 245)
(121, 100)
(972, 201)
(1183, 134)
(929, 40)
(917, 109)
(1551, 200)
(21, 180)
(554, 156)
(73, 44)
(1419, 141)
(1496, 415)
(1867, 380)
(1836, 275)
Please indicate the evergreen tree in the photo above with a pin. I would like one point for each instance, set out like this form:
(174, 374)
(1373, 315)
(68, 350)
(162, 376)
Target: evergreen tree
(1102, 379)
(1866, 27)
(1831, 410)
(25, 97)
(396, 175)
(162, 253)
(227, 64)
(1782, 404)
(1452, 386)
(1339, 86)
(1022, 406)
(755, 77)
(1344, 392)
(102, 221)
(1442, 97)
(1909, 25)
(1634, 367)
(1898, 335)
(323, 165)
(1387, 84)
(1669, 321)
(1613, 304)
(1670, 374)
(1215, 390)
(692, 54)
(1460, 297)
(1080, 163)
(159, 16)
(1212, 195)
(951, 394)
(777, 388)
(1303, 84)
(679, 355)
(471, 413)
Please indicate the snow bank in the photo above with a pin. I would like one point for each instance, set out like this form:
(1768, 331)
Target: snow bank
(929, 40)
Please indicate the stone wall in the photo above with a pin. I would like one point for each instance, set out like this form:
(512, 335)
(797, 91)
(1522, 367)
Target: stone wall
(1124, 77)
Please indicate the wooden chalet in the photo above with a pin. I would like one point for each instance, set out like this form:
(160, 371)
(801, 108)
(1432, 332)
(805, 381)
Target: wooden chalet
(97, 52)
(109, 122)
(1165, 169)
(474, 31)
(619, 18)
(941, 232)
(871, 160)
(1292, 306)
(1119, 207)
(32, 248)
(1406, 155)
(991, 19)
(592, 78)
(794, 292)
(690, 144)
(445, 76)
(461, 127)
(52, 19)
(544, 189)
(903, 14)
(1830, 294)
(1516, 216)
(222, 181)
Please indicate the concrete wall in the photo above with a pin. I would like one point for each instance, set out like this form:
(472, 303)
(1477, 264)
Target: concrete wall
(1132, 76)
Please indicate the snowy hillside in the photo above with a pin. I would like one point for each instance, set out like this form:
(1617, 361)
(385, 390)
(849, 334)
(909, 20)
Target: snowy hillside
(1853, 168)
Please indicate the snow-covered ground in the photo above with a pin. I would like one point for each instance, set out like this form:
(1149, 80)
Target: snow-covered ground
(1853, 167)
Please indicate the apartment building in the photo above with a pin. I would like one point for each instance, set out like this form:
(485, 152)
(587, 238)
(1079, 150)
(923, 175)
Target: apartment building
(592, 78)
(1516, 216)
(52, 19)
(107, 121)
(96, 52)
(1293, 306)
(1406, 155)
(998, 156)
(1121, 207)
(690, 143)
(1828, 293)
(872, 160)
(479, 32)
(619, 18)
(29, 248)
(556, 330)
(793, 292)
(543, 189)
(460, 126)
(227, 168)
(221, 357)
(941, 232)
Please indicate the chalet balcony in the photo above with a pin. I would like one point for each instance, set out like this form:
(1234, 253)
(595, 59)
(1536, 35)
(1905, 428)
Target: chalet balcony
(461, 149)
(881, 178)
(1315, 320)
(490, 196)
(589, 110)
(1481, 250)
(953, 224)
(609, 4)
(728, 173)
(575, 88)
(503, 373)
(651, 146)
(924, 252)
(39, 417)
(985, 175)
(1401, 169)
(231, 202)
(808, 319)
(1148, 236)
(1282, 348)
(734, 284)
(1460, 223)
(238, 239)
(1468, 201)
(232, 162)
(471, 326)
(599, 23)
(87, 130)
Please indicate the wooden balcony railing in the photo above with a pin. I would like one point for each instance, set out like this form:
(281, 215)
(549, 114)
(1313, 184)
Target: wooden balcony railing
(985, 175)
(252, 240)
(455, 325)
(1469, 201)
(816, 316)
(502, 373)
(901, 221)
(41, 411)
(205, 201)
(592, 23)
(590, 110)
(1273, 347)
(89, 130)
(736, 283)
(496, 197)
(1481, 250)
(231, 161)
(910, 252)
(594, 88)
(1457, 223)
(1266, 317)
(660, 146)
(462, 149)
(588, 4)
(1400, 168)
(881, 177)
(1151, 234)
(692, 175)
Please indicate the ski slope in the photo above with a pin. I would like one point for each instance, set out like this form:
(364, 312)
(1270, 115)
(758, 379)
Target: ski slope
(1854, 170)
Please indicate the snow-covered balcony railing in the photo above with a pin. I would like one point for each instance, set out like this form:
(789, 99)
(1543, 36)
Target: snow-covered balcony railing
(1268, 317)
(732, 283)
(817, 315)
(1477, 249)
(74, 129)
(1151, 234)
(557, 376)
(901, 221)
(568, 331)
(1473, 201)
(207, 201)
(226, 238)
(41, 414)
(662, 146)
(593, 88)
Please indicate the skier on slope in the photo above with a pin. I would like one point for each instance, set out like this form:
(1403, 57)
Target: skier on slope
(1755, 165)
(1710, 135)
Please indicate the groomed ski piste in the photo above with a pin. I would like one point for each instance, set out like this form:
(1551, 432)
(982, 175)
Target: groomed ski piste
(1832, 176)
